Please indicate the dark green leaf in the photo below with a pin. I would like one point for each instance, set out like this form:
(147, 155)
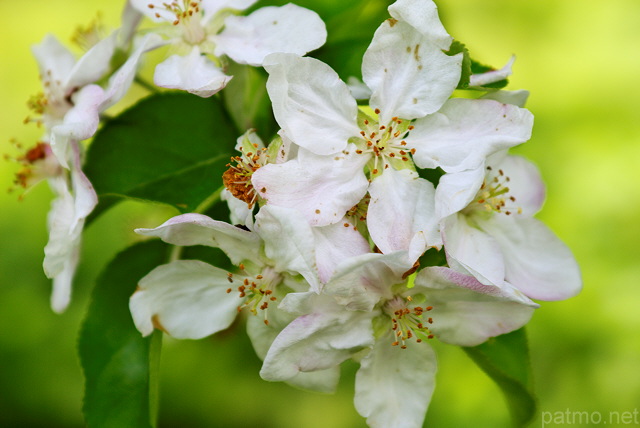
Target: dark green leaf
(170, 148)
(506, 360)
(247, 101)
(456, 48)
(114, 355)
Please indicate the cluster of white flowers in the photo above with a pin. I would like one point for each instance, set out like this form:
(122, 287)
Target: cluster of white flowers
(334, 216)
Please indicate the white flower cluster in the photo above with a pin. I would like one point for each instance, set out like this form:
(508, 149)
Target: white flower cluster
(330, 263)
(335, 216)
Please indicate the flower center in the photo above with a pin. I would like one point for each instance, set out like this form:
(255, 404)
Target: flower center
(87, 37)
(237, 179)
(36, 164)
(52, 103)
(385, 144)
(185, 13)
(257, 290)
(408, 320)
(493, 195)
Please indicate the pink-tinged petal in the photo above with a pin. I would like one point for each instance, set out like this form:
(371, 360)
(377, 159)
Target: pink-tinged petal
(321, 188)
(492, 76)
(394, 385)
(536, 261)
(336, 243)
(317, 341)
(517, 98)
(525, 183)
(263, 335)
(423, 16)
(80, 123)
(472, 248)
(288, 242)
(464, 132)
(401, 213)
(193, 73)
(85, 197)
(94, 64)
(286, 29)
(456, 190)
(409, 74)
(198, 229)
(466, 312)
(63, 280)
(121, 80)
(360, 282)
(311, 104)
(54, 60)
(187, 298)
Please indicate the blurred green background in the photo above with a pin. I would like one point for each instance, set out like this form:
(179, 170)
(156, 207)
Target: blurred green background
(580, 61)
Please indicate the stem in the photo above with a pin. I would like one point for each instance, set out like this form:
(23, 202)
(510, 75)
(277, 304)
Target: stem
(210, 201)
(155, 349)
(148, 86)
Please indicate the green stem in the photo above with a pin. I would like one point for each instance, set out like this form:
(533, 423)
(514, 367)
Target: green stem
(210, 201)
(155, 350)
(148, 86)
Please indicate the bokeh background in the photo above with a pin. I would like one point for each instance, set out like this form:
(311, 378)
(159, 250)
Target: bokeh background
(581, 62)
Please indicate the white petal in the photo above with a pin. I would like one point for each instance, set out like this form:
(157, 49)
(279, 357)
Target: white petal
(239, 211)
(409, 74)
(477, 251)
(359, 90)
(212, 7)
(193, 73)
(54, 60)
(262, 336)
(394, 385)
(130, 18)
(311, 103)
(466, 312)
(456, 190)
(464, 132)
(63, 280)
(187, 298)
(401, 213)
(525, 183)
(492, 76)
(536, 261)
(84, 195)
(517, 98)
(198, 229)
(286, 29)
(423, 16)
(121, 80)
(93, 64)
(360, 282)
(336, 243)
(317, 341)
(321, 188)
(288, 242)
(80, 123)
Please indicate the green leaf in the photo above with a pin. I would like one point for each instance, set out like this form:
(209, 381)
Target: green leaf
(506, 360)
(116, 359)
(456, 48)
(170, 148)
(247, 101)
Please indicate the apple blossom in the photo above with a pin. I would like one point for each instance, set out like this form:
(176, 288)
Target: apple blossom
(202, 31)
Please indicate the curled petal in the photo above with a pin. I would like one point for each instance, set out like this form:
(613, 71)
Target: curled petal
(193, 73)
(198, 229)
(286, 29)
(492, 76)
(456, 190)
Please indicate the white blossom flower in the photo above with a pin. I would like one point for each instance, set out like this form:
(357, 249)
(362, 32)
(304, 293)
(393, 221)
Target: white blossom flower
(202, 31)
(346, 153)
(488, 229)
(372, 310)
(191, 299)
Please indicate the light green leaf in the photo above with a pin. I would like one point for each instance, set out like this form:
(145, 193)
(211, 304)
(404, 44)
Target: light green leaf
(506, 360)
(116, 359)
(170, 148)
